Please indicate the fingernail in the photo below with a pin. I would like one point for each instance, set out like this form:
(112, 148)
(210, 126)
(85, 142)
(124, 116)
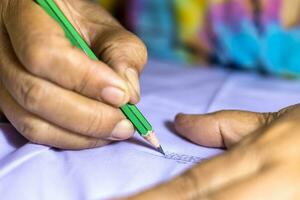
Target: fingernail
(113, 95)
(133, 79)
(123, 130)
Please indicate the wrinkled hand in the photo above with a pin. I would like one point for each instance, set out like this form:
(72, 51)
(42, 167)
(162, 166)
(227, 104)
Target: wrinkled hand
(52, 92)
(263, 160)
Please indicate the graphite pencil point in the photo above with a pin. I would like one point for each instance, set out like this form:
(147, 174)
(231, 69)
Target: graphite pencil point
(160, 149)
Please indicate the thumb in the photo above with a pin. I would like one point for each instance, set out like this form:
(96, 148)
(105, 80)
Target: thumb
(220, 129)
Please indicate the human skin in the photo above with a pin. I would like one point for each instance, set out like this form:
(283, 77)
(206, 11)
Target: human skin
(262, 161)
(263, 157)
(53, 93)
(73, 113)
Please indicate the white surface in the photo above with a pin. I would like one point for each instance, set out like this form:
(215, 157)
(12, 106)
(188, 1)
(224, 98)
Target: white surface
(29, 171)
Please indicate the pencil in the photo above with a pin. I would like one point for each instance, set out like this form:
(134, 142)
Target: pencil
(141, 124)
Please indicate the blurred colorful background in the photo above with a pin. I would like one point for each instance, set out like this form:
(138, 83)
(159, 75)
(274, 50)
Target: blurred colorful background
(240, 34)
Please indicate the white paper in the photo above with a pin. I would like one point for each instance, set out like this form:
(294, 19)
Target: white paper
(29, 171)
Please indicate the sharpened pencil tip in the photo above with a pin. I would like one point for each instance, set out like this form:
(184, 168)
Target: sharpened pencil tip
(160, 149)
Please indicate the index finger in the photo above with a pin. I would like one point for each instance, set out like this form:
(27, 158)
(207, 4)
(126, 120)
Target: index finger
(43, 49)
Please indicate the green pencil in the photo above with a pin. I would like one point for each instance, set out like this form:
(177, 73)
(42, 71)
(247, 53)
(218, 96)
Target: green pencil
(141, 124)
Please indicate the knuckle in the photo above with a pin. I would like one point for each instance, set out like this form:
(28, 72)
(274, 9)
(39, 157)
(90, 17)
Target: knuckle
(142, 48)
(138, 49)
(32, 95)
(267, 118)
(128, 47)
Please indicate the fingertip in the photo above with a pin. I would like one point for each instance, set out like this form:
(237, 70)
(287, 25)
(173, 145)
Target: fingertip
(109, 86)
(114, 96)
(134, 99)
(180, 118)
(201, 129)
(118, 81)
(184, 124)
(130, 78)
(122, 131)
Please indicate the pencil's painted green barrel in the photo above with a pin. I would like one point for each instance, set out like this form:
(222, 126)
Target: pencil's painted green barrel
(138, 120)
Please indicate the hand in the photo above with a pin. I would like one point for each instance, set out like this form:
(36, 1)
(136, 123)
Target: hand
(52, 92)
(290, 12)
(263, 161)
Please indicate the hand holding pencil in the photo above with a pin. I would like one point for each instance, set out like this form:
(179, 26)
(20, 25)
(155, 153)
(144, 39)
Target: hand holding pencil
(130, 111)
(52, 92)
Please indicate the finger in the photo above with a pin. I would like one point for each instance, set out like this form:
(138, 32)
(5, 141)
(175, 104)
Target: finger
(220, 129)
(290, 13)
(272, 184)
(43, 49)
(125, 53)
(208, 176)
(39, 131)
(117, 47)
(64, 108)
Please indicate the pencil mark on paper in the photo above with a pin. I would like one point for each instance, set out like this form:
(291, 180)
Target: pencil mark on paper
(182, 158)
(179, 158)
